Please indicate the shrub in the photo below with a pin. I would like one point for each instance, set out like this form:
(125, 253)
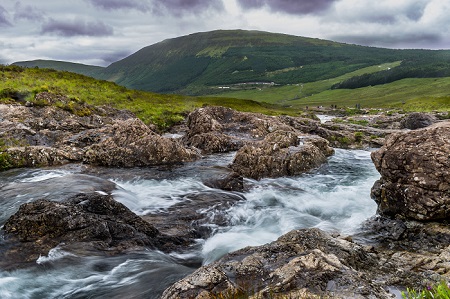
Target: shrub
(438, 291)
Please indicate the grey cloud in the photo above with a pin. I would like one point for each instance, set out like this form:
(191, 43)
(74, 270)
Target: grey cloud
(27, 12)
(174, 7)
(289, 6)
(115, 56)
(4, 17)
(120, 4)
(416, 10)
(76, 27)
(179, 7)
(380, 14)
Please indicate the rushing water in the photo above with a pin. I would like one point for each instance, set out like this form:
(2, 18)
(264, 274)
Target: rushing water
(334, 197)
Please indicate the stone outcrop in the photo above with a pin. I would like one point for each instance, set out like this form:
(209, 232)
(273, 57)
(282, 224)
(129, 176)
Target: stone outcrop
(303, 263)
(131, 143)
(215, 129)
(310, 263)
(415, 174)
(281, 153)
(45, 136)
(86, 223)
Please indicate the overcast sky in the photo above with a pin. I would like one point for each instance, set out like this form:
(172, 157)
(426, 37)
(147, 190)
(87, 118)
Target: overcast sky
(100, 32)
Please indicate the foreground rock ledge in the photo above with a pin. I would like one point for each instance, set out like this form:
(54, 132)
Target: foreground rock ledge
(301, 263)
(415, 174)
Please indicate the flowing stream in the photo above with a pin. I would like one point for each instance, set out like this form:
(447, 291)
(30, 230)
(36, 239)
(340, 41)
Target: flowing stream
(334, 197)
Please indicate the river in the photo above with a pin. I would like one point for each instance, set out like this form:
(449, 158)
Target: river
(334, 198)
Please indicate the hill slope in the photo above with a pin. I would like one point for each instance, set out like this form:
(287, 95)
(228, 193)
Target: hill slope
(78, 68)
(201, 63)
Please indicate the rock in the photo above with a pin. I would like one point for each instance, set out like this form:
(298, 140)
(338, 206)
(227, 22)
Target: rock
(340, 135)
(41, 156)
(281, 153)
(197, 216)
(86, 223)
(226, 180)
(215, 142)
(47, 136)
(215, 129)
(131, 143)
(414, 121)
(411, 253)
(415, 174)
(305, 263)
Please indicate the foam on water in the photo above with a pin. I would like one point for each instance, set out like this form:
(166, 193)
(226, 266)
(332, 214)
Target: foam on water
(53, 255)
(147, 196)
(335, 198)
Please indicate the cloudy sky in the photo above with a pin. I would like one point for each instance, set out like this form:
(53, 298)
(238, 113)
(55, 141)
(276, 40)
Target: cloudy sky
(100, 32)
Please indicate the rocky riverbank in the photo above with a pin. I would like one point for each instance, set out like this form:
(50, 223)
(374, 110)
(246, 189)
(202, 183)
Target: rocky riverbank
(408, 244)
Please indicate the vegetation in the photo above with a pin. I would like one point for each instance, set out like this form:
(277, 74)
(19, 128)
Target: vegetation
(82, 93)
(438, 291)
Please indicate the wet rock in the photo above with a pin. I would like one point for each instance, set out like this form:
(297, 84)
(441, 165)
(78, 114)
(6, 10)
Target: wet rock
(281, 153)
(414, 121)
(226, 180)
(300, 263)
(415, 174)
(411, 253)
(85, 223)
(197, 216)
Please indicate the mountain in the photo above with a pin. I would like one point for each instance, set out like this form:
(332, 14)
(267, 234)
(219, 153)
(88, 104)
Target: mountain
(212, 62)
(78, 68)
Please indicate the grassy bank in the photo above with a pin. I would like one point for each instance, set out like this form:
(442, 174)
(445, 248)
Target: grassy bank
(21, 85)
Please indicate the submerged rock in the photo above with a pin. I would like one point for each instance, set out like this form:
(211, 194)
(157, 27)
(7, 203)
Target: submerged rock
(197, 216)
(415, 174)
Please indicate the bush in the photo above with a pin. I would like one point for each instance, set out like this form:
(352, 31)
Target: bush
(438, 291)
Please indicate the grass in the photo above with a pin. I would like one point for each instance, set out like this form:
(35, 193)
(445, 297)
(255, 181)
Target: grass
(438, 291)
(287, 93)
(21, 85)
(414, 94)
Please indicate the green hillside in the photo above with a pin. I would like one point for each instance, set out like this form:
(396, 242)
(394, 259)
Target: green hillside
(412, 94)
(19, 85)
(83, 69)
(203, 63)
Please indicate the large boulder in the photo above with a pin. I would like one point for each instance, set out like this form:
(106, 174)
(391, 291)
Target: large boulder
(301, 264)
(415, 174)
(86, 223)
(214, 129)
(131, 143)
(417, 120)
(281, 153)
